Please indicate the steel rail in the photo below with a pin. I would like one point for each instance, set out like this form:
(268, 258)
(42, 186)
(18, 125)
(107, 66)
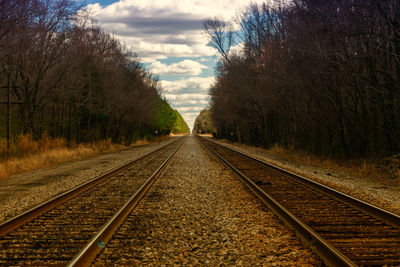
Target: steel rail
(36, 211)
(329, 254)
(387, 216)
(94, 246)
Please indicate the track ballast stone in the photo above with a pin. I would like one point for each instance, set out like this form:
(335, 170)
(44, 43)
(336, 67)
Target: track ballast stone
(199, 213)
(21, 192)
(384, 193)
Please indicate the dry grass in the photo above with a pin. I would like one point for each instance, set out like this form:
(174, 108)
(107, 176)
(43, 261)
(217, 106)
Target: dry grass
(42, 160)
(28, 154)
(357, 167)
(278, 149)
(142, 142)
(384, 169)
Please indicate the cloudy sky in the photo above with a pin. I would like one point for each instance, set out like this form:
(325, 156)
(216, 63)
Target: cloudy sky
(167, 37)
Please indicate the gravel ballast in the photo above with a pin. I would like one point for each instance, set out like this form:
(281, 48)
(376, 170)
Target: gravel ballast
(382, 193)
(24, 191)
(198, 212)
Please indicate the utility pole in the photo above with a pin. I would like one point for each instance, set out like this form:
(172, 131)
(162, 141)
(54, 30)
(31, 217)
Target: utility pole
(9, 103)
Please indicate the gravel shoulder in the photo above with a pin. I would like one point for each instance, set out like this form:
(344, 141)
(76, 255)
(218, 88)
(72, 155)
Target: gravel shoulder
(24, 191)
(199, 213)
(383, 193)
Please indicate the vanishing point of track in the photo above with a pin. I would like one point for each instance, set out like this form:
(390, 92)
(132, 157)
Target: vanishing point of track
(72, 227)
(342, 230)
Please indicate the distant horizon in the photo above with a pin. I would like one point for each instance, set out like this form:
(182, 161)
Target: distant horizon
(168, 40)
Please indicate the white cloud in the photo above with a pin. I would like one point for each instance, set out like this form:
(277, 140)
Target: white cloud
(197, 84)
(237, 49)
(189, 109)
(173, 97)
(188, 96)
(149, 50)
(157, 29)
(190, 103)
(187, 67)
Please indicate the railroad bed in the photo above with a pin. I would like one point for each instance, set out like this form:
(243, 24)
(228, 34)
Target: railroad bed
(60, 232)
(200, 214)
(191, 217)
(356, 233)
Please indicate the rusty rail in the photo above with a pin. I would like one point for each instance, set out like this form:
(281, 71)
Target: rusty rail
(94, 246)
(328, 252)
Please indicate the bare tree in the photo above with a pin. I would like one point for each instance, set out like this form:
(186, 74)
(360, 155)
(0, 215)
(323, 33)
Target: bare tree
(220, 35)
(319, 75)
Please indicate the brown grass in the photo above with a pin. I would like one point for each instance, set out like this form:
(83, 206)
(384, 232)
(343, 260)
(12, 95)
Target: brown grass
(42, 160)
(142, 142)
(362, 167)
(28, 154)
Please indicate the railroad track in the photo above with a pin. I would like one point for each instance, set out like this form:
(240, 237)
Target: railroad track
(342, 230)
(73, 227)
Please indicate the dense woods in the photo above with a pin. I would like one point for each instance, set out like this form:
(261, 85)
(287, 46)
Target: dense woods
(70, 79)
(180, 125)
(323, 76)
(203, 123)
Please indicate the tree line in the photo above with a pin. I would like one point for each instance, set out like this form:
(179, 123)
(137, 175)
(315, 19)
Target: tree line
(323, 76)
(72, 80)
(203, 123)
